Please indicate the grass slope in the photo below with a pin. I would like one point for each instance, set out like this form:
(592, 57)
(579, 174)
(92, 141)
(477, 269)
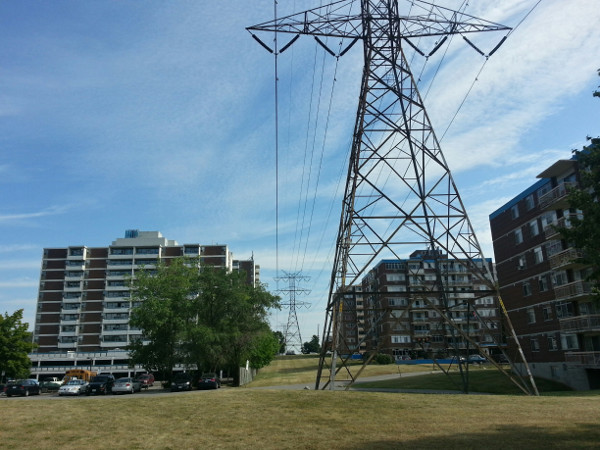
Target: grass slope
(240, 418)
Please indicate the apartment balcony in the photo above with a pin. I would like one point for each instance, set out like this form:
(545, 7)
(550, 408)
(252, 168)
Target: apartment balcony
(115, 332)
(557, 197)
(113, 344)
(73, 333)
(77, 253)
(578, 290)
(67, 344)
(117, 287)
(550, 229)
(69, 311)
(75, 265)
(120, 320)
(565, 259)
(113, 264)
(581, 324)
(74, 276)
(586, 359)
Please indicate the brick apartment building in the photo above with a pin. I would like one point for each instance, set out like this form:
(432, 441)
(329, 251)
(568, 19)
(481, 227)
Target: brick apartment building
(83, 306)
(391, 302)
(544, 290)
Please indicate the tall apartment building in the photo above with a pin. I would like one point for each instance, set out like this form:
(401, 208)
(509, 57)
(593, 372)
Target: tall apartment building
(544, 290)
(391, 303)
(84, 303)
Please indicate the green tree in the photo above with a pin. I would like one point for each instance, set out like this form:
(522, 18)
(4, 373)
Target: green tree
(584, 232)
(203, 317)
(281, 339)
(312, 346)
(15, 344)
(163, 315)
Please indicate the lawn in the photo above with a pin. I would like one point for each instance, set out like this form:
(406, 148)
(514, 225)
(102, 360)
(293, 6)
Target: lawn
(240, 418)
(276, 418)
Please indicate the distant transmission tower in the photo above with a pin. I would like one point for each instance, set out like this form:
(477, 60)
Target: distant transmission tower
(293, 338)
(400, 196)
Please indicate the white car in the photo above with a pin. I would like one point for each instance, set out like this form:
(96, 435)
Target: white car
(74, 387)
(127, 385)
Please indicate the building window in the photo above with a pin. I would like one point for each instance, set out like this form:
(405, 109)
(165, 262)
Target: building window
(564, 310)
(543, 283)
(534, 228)
(538, 255)
(522, 262)
(569, 342)
(552, 343)
(396, 288)
(530, 315)
(514, 211)
(529, 202)
(547, 312)
(535, 345)
(394, 277)
(526, 289)
(400, 339)
(518, 236)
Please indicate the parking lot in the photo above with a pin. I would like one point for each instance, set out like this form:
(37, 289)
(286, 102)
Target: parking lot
(156, 390)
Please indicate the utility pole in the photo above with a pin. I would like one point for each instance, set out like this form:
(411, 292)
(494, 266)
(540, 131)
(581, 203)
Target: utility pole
(400, 196)
(293, 338)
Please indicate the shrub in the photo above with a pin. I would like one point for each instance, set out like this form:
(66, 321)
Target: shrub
(382, 358)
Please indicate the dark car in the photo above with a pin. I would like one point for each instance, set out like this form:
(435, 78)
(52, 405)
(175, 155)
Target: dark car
(182, 382)
(209, 380)
(147, 380)
(476, 359)
(24, 388)
(101, 384)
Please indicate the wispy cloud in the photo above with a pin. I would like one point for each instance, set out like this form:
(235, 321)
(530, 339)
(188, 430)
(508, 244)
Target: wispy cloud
(19, 217)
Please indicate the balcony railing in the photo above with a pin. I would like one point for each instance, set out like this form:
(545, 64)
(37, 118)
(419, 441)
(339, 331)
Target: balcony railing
(572, 290)
(565, 258)
(581, 324)
(587, 359)
(558, 193)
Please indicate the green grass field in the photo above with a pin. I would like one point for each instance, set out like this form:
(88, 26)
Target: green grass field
(275, 418)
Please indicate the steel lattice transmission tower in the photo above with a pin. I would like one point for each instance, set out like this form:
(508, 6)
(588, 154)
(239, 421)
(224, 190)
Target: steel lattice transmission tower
(293, 338)
(400, 195)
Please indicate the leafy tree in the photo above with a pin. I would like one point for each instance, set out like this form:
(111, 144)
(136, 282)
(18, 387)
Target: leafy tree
(584, 232)
(312, 346)
(163, 314)
(205, 317)
(281, 339)
(15, 344)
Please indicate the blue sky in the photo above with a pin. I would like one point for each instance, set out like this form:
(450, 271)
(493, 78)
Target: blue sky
(160, 116)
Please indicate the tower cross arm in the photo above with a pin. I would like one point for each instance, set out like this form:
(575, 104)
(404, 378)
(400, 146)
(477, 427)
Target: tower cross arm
(335, 20)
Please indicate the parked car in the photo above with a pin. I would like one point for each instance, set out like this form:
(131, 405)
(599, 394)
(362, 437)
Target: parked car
(182, 382)
(24, 388)
(476, 359)
(50, 384)
(147, 380)
(126, 385)
(74, 387)
(209, 380)
(101, 384)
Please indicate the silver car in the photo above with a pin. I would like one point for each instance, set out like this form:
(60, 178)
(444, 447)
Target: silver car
(127, 385)
(74, 387)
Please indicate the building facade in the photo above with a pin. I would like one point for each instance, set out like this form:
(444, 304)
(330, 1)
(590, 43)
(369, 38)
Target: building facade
(543, 287)
(84, 303)
(397, 309)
